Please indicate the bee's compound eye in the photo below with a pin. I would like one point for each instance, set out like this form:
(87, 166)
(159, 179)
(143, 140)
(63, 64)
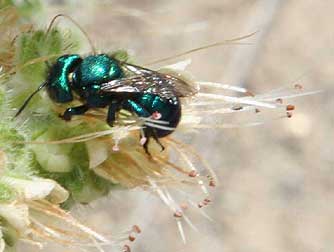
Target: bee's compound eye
(60, 77)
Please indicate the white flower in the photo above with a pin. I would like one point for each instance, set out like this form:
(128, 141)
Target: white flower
(17, 215)
(37, 188)
(37, 217)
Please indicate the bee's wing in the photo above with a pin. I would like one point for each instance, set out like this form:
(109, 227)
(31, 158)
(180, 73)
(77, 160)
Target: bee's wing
(149, 81)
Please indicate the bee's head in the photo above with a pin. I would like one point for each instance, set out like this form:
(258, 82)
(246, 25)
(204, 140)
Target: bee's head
(58, 82)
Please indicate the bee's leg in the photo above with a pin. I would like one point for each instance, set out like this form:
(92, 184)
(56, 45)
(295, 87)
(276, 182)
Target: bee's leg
(80, 110)
(147, 134)
(113, 108)
(142, 112)
(155, 137)
(145, 146)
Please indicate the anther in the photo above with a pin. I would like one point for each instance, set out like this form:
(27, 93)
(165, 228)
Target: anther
(115, 148)
(143, 140)
(136, 229)
(290, 107)
(178, 214)
(184, 206)
(126, 248)
(212, 183)
(279, 100)
(249, 93)
(132, 238)
(298, 86)
(156, 115)
(193, 174)
(237, 108)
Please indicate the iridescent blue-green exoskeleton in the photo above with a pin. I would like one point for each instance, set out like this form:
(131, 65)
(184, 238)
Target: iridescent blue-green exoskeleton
(102, 81)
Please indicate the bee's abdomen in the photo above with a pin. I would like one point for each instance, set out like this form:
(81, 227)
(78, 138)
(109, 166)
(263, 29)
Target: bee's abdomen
(169, 111)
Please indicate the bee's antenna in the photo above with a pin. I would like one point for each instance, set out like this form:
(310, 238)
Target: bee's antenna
(225, 42)
(29, 98)
(76, 24)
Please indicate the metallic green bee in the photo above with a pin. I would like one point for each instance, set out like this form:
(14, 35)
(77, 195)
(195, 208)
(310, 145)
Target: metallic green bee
(102, 81)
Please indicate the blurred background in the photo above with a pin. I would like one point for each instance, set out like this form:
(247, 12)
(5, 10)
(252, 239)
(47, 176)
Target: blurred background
(277, 180)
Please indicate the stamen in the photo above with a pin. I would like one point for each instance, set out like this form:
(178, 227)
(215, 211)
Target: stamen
(193, 174)
(126, 248)
(143, 140)
(115, 148)
(159, 126)
(178, 214)
(236, 100)
(136, 229)
(153, 120)
(212, 183)
(184, 206)
(132, 238)
(181, 231)
(156, 115)
(298, 86)
(279, 100)
(290, 107)
(224, 86)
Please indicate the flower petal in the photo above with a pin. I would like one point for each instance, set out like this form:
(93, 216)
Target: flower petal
(37, 188)
(17, 215)
(2, 242)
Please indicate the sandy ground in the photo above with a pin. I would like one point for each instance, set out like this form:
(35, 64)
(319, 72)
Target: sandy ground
(276, 190)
